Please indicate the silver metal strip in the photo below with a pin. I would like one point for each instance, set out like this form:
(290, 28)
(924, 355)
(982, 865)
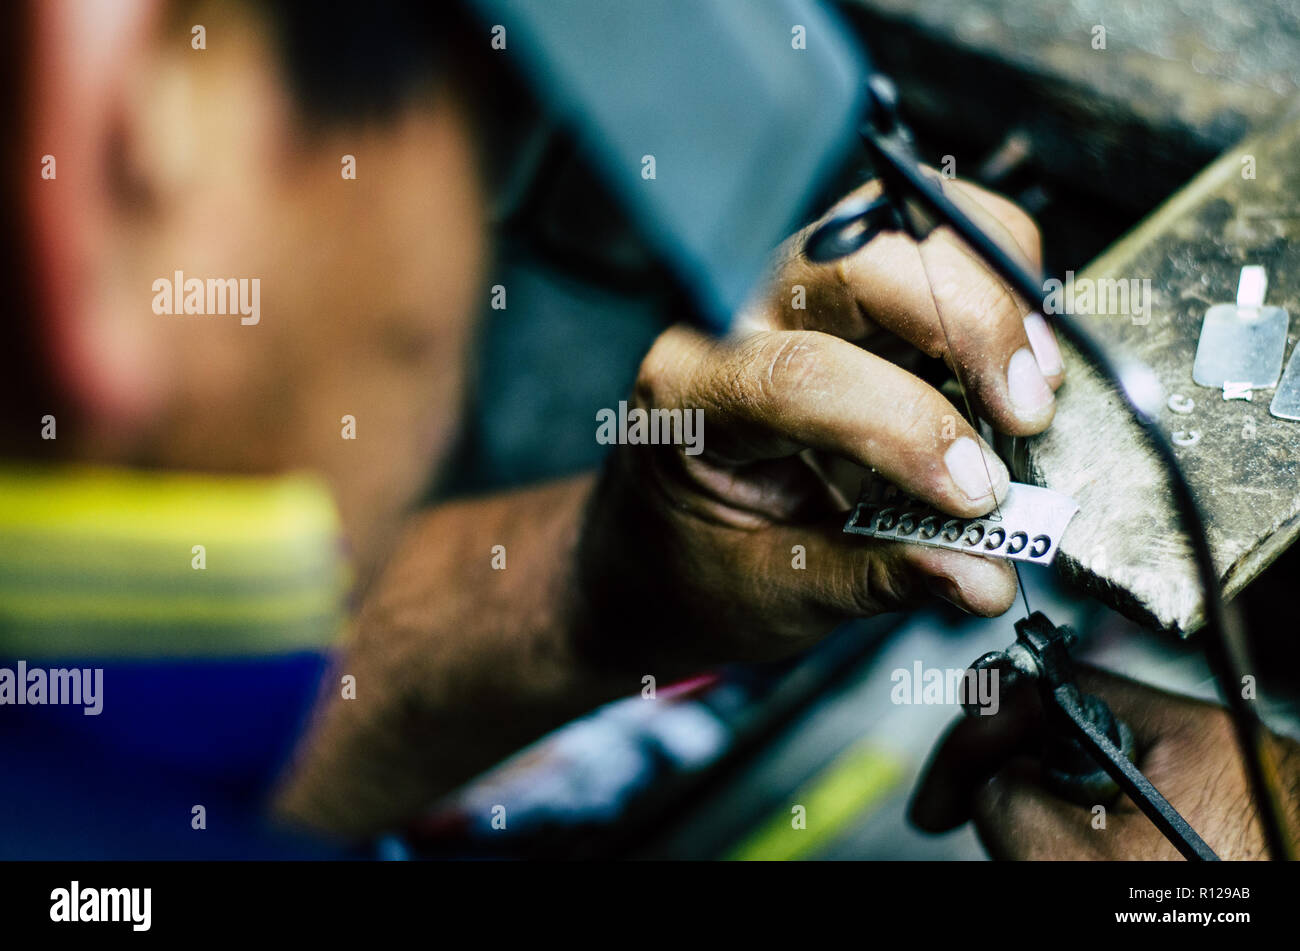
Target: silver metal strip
(1027, 527)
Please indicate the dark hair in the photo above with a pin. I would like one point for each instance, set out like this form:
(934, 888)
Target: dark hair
(347, 60)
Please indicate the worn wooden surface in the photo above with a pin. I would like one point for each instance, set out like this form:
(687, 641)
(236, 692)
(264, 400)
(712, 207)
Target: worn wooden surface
(1178, 82)
(1124, 544)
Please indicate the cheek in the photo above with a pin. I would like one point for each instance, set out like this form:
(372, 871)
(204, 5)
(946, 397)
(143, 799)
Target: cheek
(357, 368)
(400, 368)
(419, 377)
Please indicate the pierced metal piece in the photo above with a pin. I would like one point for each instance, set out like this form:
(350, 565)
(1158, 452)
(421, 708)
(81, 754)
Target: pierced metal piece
(1286, 400)
(1027, 527)
(1242, 344)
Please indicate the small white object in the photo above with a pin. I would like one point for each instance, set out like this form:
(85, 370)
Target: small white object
(1252, 286)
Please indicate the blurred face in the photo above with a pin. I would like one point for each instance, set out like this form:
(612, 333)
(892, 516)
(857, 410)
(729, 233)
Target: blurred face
(203, 163)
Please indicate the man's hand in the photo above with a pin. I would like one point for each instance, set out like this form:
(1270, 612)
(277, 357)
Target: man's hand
(1186, 748)
(671, 561)
(704, 551)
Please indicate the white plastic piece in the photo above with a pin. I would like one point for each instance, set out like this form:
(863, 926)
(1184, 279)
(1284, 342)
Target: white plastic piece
(1252, 286)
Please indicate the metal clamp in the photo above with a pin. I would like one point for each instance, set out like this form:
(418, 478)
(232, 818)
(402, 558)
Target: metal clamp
(1089, 754)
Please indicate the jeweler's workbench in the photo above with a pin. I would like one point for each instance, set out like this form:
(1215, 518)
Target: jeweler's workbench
(1122, 102)
(1241, 461)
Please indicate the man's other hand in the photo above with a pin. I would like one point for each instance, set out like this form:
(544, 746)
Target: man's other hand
(1185, 747)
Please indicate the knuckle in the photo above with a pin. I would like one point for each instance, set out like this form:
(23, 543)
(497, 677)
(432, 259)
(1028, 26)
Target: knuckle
(914, 439)
(925, 423)
(1026, 232)
(784, 366)
(1018, 223)
(1022, 227)
(932, 342)
(880, 584)
(650, 374)
(988, 310)
(922, 426)
(658, 370)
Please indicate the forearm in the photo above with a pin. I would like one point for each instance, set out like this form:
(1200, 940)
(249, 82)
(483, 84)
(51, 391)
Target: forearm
(462, 654)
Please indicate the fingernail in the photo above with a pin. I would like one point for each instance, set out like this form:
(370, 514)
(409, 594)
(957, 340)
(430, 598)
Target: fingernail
(971, 468)
(1043, 341)
(1030, 394)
